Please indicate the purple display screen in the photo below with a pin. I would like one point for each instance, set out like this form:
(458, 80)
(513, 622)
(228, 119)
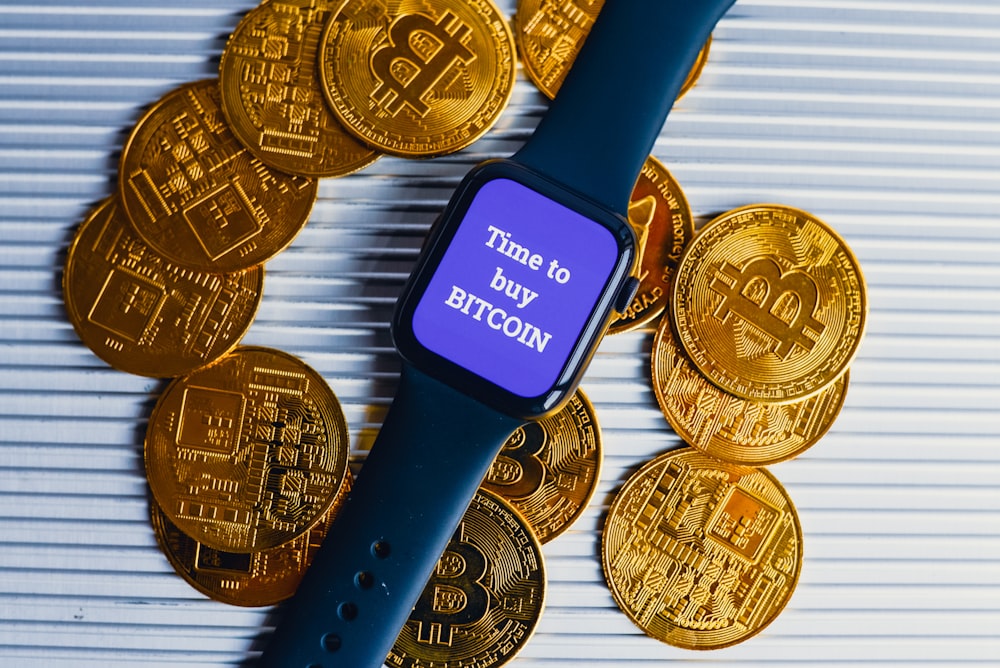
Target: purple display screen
(515, 287)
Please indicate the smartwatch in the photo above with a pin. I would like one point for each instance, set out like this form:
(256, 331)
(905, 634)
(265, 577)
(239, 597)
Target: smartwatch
(510, 297)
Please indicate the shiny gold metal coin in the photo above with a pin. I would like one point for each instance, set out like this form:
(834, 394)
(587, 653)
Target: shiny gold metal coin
(271, 92)
(197, 196)
(769, 303)
(248, 579)
(549, 34)
(484, 599)
(699, 553)
(549, 469)
(143, 314)
(418, 79)
(661, 218)
(745, 432)
(248, 453)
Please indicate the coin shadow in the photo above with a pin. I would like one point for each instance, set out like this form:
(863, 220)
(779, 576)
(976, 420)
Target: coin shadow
(263, 635)
(111, 163)
(139, 439)
(121, 137)
(62, 256)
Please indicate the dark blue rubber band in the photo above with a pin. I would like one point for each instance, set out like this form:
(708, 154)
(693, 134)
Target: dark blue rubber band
(603, 122)
(436, 444)
(429, 459)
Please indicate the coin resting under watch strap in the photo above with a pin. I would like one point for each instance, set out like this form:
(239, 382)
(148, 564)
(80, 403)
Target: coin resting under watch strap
(661, 219)
(484, 598)
(548, 470)
(549, 34)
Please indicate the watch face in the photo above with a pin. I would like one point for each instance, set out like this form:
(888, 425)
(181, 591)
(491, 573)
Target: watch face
(514, 287)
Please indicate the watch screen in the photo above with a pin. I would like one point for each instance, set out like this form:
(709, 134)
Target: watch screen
(515, 287)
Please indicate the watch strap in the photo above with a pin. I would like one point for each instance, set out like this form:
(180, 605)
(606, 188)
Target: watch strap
(433, 451)
(604, 120)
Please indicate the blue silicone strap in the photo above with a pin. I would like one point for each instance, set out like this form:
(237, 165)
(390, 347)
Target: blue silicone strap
(603, 122)
(436, 443)
(431, 455)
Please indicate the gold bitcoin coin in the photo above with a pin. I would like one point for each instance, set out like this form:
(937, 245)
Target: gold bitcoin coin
(143, 314)
(271, 92)
(248, 453)
(485, 597)
(699, 553)
(745, 432)
(661, 218)
(197, 196)
(769, 303)
(418, 79)
(550, 33)
(249, 578)
(549, 469)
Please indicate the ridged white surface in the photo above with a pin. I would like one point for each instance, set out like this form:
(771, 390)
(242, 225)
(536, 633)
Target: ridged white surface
(881, 117)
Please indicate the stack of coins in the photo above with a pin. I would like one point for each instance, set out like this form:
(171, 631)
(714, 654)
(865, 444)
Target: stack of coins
(219, 176)
(247, 463)
(702, 547)
(769, 310)
(246, 448)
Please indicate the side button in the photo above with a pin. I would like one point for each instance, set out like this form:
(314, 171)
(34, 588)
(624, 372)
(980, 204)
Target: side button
(626, 294)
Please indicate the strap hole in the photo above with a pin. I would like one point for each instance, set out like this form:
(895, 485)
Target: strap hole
(381, 549)
(330, 642)
(364, 580)
(347, 611)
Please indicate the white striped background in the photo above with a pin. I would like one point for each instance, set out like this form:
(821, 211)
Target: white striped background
(881, 117)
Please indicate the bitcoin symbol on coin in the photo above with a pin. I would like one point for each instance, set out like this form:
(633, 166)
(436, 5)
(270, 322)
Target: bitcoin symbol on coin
(518, 472)
(453, 596)
(484, 598)
(417, 79)
(769, 303)
(419, 54)
(782, 304)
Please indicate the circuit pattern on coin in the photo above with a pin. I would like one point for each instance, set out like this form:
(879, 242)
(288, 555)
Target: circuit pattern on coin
(260, 578)
(661, 219)
(484, 598)
(550, 33)
(247, 453)
(143, 314)
(199, 197)
(548, 470)
(745, 432)
(699, 553)
(769, 303)
(418, 79)
(271, 92)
